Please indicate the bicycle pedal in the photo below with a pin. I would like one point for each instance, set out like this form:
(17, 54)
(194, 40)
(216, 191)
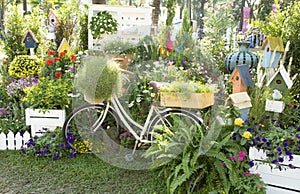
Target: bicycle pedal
(129, 157)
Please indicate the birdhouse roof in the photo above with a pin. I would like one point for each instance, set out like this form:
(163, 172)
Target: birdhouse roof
(64, 45)
(282, 71)
(244, 73)
(31, 34)
(274, 42)
(51, 13)
(240, 100)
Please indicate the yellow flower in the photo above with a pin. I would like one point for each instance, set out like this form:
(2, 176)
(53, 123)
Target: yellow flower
(247, 135)
(238, 122)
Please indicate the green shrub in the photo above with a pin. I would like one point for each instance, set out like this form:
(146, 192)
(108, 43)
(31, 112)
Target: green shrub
(25, 65)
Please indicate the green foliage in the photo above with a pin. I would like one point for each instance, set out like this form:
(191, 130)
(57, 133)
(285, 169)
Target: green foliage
(15, 28)
(99, 78)
(83, 31)
(216, 23)
(119, 46)
(25, 65)
(68, 15)
(187, 87)
(171, 5)
(185, 43)
(48, 94)
(103, 23)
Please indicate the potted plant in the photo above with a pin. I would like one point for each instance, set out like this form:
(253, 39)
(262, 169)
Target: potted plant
(98, 79)
(187, 94)
(47, 102)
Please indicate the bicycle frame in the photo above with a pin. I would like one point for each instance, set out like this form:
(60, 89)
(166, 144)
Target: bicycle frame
(128, 121)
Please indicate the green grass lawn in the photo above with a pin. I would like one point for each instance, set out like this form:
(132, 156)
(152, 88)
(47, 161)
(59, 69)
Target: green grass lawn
(83, 174)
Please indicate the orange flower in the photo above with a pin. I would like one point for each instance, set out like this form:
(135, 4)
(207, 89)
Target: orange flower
(62, 54)
(50, 52)
(49, 62)
(73, 58)
(56, 59)
(58, 74)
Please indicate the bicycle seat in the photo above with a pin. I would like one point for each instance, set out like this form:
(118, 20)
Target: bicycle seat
(157, 85)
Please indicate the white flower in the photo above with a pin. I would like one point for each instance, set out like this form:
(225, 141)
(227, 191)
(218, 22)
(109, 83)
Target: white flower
(152, 95)
(138, 99)
(145, 91)
(131, 104)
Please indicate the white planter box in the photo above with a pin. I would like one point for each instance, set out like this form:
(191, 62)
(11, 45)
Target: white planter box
(279, 182)
(274, 106)
(39, 120)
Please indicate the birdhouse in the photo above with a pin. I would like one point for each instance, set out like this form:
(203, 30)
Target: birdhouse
(52, 18)
(241, 78)
(280, 80)
(273, 47)
(242, 101)
(64, 47)
(29, 39)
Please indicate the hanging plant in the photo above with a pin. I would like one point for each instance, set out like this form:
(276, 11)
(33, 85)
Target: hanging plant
(103, 23)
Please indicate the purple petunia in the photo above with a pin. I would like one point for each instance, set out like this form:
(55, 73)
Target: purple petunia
(280, 159)
(264, 140)
(251, 163)
(297, 136)
(285, 143)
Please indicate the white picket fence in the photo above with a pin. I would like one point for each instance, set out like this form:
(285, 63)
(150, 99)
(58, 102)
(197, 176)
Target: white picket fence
(13, 142)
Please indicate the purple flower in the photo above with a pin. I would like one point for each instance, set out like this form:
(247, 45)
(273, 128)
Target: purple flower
(297, 136)
(280, 168)
(264, 140)
(23, 151)
(234, 136)
(274, 161)
(285, 143)
(250, 129)
(257, 138)
(22, 133)
(280, 159)
(71, 155)
(247, 173)
(268, 144)
(54, 135)
(45, 129)
(251, 163)
(62, 145)
(288, 153)
(270, 155)
(242, 154)
(278, 149)
(55, 158)
(267, 117)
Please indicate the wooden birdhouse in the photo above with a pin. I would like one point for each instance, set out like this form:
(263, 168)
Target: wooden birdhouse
(64, 47)
(29, 39)
(52, 18)
(280, 80)
(273, 47)
(241, 78)
(242, 101)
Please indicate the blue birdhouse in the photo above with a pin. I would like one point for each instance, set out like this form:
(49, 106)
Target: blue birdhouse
(273, 47)
(29, 39)
(242, 101)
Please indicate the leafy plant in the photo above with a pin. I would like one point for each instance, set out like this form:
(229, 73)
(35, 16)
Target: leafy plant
(50, 144)
(103, 23)
(25, 65)
(48, 94)
(187, 87)
(59, 65)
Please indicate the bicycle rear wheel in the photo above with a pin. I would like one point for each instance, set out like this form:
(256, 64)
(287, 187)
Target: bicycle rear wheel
(82, 125)
(173, 119)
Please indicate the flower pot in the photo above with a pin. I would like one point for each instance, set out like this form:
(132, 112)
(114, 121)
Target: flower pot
(284, 181)
(192, 100)
(38, 120)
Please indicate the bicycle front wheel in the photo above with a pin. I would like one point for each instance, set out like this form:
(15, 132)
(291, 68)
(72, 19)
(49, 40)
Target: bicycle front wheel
(173, 119)
(83, 130)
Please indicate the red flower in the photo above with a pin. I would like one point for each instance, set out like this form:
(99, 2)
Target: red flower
(58, 74)
(56, 59)
(73, 58)
(49, 62)
(62, 54)
(50, 52)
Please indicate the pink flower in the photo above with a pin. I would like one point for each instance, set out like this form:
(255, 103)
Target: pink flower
(123, 89)
(128, 138)
(190, 73)
(223, 164)
(242, 154)
(240, 159)
(247, 173)
(232, 158)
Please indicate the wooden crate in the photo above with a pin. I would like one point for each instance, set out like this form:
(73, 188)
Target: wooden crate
(284, 181)
(39, 120)
(191, 100)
